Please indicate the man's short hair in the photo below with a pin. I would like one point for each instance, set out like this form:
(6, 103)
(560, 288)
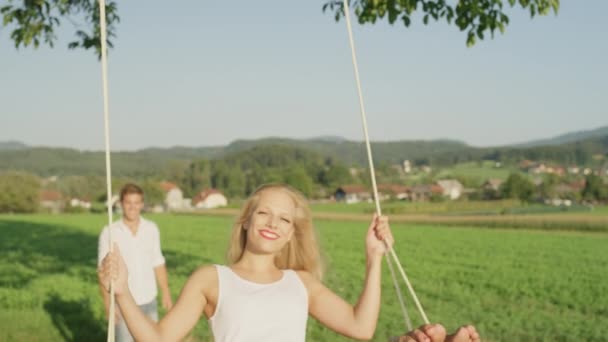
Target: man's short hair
(129, 189)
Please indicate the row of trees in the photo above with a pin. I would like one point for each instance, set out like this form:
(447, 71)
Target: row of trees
(582, 153)
(237, 177)
(520, 187)
(240, 173)
(19, 192)
(149, 163)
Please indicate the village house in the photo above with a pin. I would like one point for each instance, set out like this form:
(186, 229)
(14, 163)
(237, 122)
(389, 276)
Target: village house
(80, 203)
(393, 191)
(407, 166)
(174, 198)
(352, 194)
(492, 184)
(451, 188)
(491, 188)
(424, 192)
(569, 190)
(573, 170)
(209, 199)
(51, 201)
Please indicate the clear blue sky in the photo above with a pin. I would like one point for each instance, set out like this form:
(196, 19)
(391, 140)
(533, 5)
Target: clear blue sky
(200, 73)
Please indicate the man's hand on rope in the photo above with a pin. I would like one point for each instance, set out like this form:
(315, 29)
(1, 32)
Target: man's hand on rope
(113, 267)
(379, 236)
(436, 333)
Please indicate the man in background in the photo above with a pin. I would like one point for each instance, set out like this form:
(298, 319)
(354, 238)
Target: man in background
(139, 243)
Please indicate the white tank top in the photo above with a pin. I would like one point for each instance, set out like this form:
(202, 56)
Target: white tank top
(248, 311)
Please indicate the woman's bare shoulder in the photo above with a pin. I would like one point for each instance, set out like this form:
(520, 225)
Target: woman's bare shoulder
(205, 276)
(308, 279)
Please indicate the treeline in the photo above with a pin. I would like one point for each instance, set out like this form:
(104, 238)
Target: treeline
(581, 153)
(518, 186)
(160, 162)
(239, 173)
(155, 161)
(47, 161)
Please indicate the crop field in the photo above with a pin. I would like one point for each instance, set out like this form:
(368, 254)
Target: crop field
(513, 284)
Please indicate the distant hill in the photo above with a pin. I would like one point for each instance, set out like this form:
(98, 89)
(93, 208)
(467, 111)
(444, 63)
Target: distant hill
(588, 152)
(47, 161)
(574, 149)
(181, 152)
(354, 152)
(12, 145)
(567, 138)
(151, 161)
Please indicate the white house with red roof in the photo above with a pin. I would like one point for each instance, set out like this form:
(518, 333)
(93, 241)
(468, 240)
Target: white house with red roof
(174, 197)
(209, 199)
(51, 201)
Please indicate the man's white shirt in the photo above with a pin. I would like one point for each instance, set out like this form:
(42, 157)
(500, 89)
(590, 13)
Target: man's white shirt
(141, 252)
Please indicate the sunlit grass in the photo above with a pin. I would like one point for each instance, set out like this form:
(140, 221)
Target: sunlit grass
(514, 285)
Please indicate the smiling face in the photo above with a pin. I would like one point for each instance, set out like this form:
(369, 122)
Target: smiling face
(276, 220)
(271, 224)
(132, 204)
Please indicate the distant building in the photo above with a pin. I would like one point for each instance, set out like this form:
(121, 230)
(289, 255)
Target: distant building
(451, 188)
(209, 199)
(396, 191)
(491, 189)
(573, 170)
(424, 192)
(564, 190)
(492, 184)
(407, 166)
(426, 169)
(538, 169)
(525, 165)
(352, 194)
(174, 198)
(80, 203)
(51, 201)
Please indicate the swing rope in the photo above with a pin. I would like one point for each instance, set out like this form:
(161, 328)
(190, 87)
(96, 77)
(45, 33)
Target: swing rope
(106, 119)
(391, 251)
(406, 316)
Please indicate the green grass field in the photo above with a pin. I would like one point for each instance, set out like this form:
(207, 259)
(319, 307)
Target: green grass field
(406, 207)
(514, 285)
(475, 170)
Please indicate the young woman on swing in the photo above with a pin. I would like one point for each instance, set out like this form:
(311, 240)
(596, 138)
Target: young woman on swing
(271, 284)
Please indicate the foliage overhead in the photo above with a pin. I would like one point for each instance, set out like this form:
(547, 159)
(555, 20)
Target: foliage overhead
(36, 21)
(476, 17)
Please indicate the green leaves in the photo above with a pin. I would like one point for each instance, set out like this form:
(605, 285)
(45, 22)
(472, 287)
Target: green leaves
(518, 186)
(93, 39)
(36, 21)
(477, 17)
(18, 192)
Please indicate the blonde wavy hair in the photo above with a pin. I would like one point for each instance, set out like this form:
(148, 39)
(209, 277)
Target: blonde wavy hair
(300, 253)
